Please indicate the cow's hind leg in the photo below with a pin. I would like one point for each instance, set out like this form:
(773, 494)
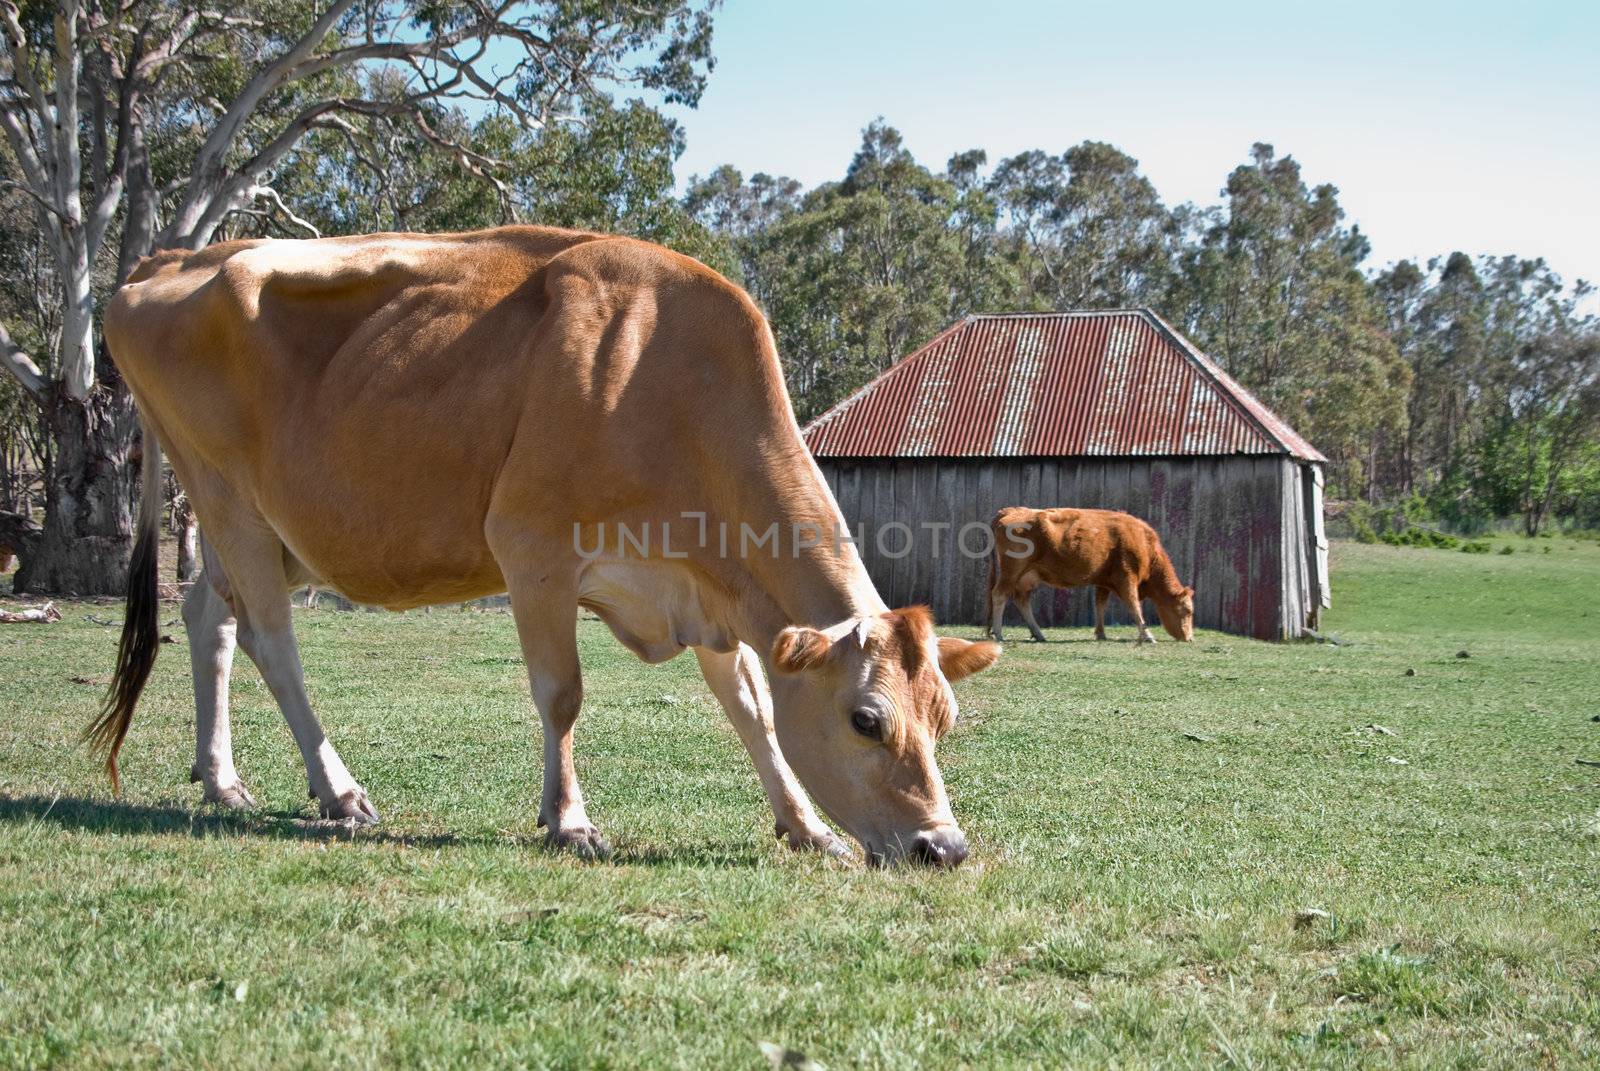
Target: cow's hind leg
(547, 627)
(1101, 597)
(736, 680)
(997, 613)
(256, 565)
(211, 626)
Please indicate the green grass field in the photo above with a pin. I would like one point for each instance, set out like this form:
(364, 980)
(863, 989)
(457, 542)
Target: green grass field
(1152, 831)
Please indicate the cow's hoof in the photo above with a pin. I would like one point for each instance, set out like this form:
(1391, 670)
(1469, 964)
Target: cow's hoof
(1100, 636)
(838, 849)
(1040, 639)
(352, 806)
(821, 840)
(234, 798)
(583, 841)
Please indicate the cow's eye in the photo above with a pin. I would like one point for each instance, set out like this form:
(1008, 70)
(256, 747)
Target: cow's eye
(867, 724)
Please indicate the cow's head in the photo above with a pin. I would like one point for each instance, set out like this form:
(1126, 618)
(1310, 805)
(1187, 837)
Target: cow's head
(1177, 615)
(858, 708)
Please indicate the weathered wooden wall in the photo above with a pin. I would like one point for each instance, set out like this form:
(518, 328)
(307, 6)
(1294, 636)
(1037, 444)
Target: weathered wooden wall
(1236, 528)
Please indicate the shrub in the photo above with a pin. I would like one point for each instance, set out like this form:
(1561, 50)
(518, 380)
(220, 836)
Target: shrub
(1508, 549)
(1352, 520)
(1475, 546)
(1421, 537)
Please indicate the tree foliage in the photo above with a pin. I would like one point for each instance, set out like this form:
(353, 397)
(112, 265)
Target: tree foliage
(1466, 386)
(130, 126)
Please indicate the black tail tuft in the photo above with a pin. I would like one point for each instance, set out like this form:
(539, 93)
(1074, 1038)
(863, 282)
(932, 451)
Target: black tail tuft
(141, 640)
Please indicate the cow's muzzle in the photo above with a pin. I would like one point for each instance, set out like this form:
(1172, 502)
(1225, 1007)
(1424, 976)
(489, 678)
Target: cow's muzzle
(941, 847)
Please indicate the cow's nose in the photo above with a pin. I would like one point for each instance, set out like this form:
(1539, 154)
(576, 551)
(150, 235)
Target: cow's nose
(946, 848)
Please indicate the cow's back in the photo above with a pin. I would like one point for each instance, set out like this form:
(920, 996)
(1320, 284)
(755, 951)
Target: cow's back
(364, 394)
(1075, 547)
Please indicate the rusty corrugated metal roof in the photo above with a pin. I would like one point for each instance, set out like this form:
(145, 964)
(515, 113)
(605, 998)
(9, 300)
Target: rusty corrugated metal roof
(1098, 384)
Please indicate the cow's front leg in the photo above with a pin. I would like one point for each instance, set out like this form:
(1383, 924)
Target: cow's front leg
(211, 626)
(1025, 604)
(547, 629)
(1128, 592)
(736, 680)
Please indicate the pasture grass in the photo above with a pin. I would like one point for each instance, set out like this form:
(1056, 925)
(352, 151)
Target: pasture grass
(1223, 853)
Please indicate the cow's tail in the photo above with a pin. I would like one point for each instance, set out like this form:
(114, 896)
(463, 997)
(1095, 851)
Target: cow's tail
(996, 567)
(141, 640)
(998, 531)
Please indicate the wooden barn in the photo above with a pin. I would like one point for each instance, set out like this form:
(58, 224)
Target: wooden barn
(1114, 410)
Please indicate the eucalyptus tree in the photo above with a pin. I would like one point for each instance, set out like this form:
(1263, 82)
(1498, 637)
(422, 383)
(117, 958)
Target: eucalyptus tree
(1532, 391)
(856, 273)
(744, 214)
(990, 279)
(862, 271)
(1403, 290)
(613, 173)
(1270, 284)
(1092, 226)
(142, 123)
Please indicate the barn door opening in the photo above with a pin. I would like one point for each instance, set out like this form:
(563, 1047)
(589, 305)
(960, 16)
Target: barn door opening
(1317, 545)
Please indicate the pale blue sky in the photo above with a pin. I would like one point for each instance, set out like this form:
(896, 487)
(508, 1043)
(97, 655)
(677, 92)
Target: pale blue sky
(1445, 125)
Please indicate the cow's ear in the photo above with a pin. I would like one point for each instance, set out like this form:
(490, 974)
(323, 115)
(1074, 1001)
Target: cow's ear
(799, 648)
(1188, 593)
(961, 658)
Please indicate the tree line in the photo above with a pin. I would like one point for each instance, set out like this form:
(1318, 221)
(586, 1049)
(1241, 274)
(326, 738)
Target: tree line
(1464, 389)
(1459, 389)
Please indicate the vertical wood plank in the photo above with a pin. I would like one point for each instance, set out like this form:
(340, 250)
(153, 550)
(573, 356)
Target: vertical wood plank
(1211, 564)
(1293, 569)
(893, 569)
(1264, 513)
(946, 491)
(904, 567)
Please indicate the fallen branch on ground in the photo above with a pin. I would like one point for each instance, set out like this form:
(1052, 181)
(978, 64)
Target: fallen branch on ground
(42, 614)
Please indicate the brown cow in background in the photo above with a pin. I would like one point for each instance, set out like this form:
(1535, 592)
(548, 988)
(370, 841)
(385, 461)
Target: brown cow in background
(1067, 548)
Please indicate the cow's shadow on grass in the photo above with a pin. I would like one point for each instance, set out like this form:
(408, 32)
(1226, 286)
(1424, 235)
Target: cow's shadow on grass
(116, 818)
(1025, 641)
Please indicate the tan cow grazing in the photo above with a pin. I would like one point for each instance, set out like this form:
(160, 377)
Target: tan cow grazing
(1067, 548)
(415, 419)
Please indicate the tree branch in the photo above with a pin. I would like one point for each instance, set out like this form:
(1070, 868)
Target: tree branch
(21, 69)
(67, 154)
(22, 368)
(33, 195)
(19, 125)
(212, 192)
(270, 194)
(474, 162)
(209, 161)
(232, 191)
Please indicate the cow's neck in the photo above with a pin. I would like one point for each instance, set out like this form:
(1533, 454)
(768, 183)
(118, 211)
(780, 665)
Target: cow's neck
(819, 585)
(1162, 584)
